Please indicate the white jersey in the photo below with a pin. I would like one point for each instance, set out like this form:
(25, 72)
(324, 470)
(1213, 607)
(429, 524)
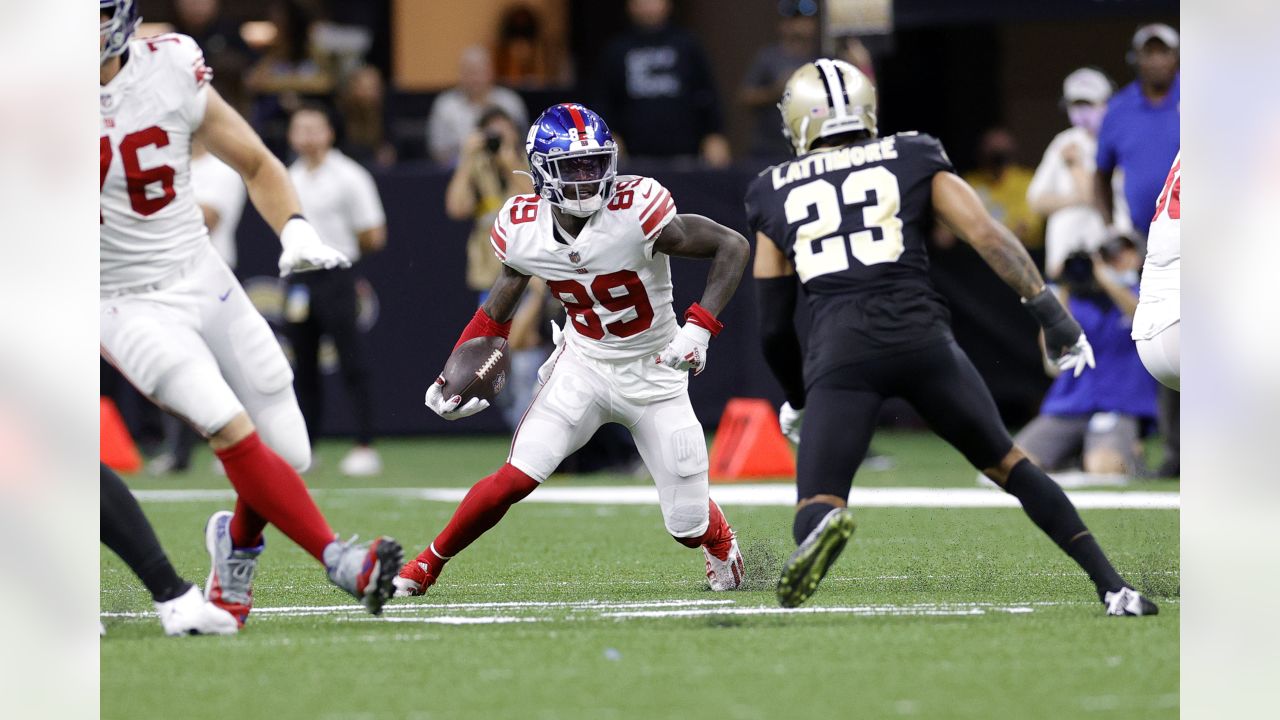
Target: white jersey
(615, 288)
(1159, 304)
(151, 225)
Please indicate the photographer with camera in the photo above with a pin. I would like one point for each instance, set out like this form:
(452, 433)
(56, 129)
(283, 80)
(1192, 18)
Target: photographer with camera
(1098, 417)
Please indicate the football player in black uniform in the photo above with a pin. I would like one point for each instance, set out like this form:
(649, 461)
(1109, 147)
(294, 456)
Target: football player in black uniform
(850, 218)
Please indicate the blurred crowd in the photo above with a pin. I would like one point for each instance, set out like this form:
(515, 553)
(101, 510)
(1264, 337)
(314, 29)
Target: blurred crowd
(1082, 212)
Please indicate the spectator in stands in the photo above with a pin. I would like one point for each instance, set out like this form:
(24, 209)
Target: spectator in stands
(1140, 136)
(1098, 416)
(362, 104)
(763, 84)
(522, 58)
(483, 179)
(1002, 184)
(340, 198)
(657, 91)
(224, 50)
(1062, 189)
(455, 112)
(292, 71)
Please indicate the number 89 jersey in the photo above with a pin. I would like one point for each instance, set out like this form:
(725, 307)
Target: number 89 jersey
(150, 224)
(615, 288)
(855, 221)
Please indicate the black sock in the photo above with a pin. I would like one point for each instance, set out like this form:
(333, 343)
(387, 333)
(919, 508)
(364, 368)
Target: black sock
(126, 531)
(1050, 509)
(807, 518)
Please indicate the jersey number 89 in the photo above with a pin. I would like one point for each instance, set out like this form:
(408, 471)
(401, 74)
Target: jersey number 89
(819, 250)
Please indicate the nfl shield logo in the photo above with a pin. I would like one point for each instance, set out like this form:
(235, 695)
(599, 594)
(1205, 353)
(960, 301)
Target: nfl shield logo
(574, 257)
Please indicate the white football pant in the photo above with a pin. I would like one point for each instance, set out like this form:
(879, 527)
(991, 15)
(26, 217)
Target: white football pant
(195, 345)
(578, 397)
(1161, 354)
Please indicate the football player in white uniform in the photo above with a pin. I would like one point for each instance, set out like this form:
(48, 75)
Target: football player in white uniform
(177, 324)
(1156, 322)
(602, 243)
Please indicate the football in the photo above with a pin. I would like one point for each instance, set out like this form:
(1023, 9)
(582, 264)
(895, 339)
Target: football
(477, 368)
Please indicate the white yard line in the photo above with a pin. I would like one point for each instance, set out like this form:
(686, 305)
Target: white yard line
(759, 494)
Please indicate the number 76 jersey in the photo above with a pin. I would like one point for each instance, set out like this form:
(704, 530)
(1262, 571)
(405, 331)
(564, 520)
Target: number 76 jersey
(150, 223)
(616, 289)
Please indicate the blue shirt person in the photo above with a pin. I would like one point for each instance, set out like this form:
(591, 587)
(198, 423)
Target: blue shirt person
(1141, 133)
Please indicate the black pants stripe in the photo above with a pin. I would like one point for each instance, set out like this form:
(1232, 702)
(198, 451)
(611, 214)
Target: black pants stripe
(939, 381)
(332, 312)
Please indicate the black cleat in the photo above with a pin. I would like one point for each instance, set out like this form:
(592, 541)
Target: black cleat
(809, 563)
(1127, 601)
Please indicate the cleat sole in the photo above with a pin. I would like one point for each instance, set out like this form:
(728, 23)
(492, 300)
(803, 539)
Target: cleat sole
(390, 559)
(807, 566)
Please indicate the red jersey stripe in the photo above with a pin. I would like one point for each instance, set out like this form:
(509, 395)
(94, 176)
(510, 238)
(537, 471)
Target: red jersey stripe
(654, 202)
(657, 217)
(499, 243)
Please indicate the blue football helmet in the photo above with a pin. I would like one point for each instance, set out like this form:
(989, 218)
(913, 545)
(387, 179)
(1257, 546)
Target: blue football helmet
(573, 159)
(117, 29)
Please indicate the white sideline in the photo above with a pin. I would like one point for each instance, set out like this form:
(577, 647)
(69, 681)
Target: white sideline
(760, 494)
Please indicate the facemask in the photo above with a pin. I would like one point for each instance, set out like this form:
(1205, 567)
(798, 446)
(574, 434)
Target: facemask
(1088, 117)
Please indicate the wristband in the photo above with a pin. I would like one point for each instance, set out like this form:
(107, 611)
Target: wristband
(482, 325)
(701, 317)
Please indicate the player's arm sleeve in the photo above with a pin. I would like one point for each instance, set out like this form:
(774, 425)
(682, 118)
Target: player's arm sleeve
(654, 208)
(776, 308)
(935, 156)
(189, 73)
(366, 206)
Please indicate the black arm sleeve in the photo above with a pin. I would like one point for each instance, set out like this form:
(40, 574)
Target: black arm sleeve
(778, 339)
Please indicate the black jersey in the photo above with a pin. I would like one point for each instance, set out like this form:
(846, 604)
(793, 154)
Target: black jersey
(855, 222)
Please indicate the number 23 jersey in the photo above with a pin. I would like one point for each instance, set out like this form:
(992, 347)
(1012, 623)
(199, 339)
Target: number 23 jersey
(151, 224)
(855, 222)
(615, 288)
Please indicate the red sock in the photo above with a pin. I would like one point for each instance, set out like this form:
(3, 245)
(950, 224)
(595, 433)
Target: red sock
(274, 490)
(718, 537)
(246, 526)
(485, 504)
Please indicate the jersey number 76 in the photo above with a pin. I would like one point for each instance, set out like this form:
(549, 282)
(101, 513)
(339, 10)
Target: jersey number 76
(819, 248)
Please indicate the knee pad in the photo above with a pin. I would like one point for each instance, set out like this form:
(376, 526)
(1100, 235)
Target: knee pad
(282, 428)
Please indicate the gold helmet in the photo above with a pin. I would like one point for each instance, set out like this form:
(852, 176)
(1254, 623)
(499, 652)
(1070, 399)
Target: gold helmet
(824, 98)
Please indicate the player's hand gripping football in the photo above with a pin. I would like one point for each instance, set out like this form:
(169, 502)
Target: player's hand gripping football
(688, 349)
(448, 408)
(789, 419)
(304, 251)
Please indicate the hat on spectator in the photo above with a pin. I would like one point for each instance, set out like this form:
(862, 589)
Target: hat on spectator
(1155, 31)
(1086, 84)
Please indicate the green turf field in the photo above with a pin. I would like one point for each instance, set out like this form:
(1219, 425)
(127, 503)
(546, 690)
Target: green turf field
(592, 611)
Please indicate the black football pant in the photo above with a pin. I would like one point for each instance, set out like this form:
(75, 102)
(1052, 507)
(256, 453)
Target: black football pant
(841, 409)
(331, 311)
(126, 531)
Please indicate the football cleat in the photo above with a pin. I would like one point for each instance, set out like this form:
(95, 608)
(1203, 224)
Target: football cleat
(191, 614)
(1128, 602)
(809, 563)
(365, 571)
(725, 573)
(418, 574)
(361, 461)
(230, 583)
(724, 560)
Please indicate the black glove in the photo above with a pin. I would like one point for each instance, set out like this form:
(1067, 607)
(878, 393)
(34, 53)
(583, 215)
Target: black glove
(1061, 331)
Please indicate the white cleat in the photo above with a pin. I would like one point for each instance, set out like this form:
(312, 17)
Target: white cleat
(191, 614)
(1130, 602)
(726, 574)
(362, 461)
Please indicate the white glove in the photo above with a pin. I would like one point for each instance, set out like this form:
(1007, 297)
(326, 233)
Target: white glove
(688, 349)
(448, 409)
(557, 339)
(304, 251)
(789, 419)
(1078, 357)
